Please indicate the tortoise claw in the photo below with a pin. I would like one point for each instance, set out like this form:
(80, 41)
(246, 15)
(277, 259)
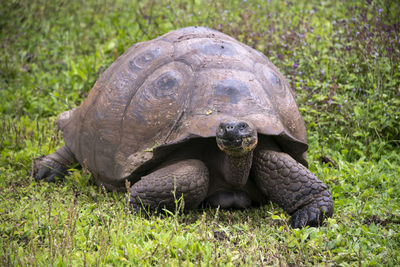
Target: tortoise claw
(311, 215)
(299, 219)
(47, 169)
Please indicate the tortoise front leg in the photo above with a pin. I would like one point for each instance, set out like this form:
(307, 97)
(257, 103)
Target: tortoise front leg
(187, 178)
(293, 187)
(53, 165)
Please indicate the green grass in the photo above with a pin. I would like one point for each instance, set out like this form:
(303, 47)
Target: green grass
(341, 58)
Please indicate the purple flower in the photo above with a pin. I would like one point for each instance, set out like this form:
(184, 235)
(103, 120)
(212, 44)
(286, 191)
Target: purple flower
(380, 10)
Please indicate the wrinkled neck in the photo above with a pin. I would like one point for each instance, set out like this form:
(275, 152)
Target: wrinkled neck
(237, 169)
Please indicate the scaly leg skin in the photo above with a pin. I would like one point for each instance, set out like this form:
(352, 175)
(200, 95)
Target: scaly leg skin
(293, 187)
(54, 165)
(189, 178)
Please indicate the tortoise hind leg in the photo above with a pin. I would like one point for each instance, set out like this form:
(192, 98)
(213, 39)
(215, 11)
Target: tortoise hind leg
(53, 165)
(187, 178)
(293, 187)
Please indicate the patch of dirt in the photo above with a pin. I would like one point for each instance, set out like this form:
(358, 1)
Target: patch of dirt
(220, 236)
(378, 221)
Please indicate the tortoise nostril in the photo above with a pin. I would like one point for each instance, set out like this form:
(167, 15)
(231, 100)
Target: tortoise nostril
(227, 127)
(233, 129)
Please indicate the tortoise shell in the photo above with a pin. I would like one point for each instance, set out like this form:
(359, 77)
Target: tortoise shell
(174, 88)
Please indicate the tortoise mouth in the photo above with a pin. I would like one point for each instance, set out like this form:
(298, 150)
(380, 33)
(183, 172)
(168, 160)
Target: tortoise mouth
(237, 147)
(236, 138)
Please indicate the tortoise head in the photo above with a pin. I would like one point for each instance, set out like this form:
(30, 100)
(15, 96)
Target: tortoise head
(236, 138)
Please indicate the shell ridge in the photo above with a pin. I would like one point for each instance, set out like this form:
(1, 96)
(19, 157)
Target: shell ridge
(174, 126)
(188, 96)
(200, 69)
(208, 36)
(98, 87)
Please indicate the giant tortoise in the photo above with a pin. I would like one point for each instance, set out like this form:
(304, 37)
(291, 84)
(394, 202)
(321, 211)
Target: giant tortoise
(193, 114)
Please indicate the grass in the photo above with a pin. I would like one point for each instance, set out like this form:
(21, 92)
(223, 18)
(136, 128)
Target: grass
(341, 58)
